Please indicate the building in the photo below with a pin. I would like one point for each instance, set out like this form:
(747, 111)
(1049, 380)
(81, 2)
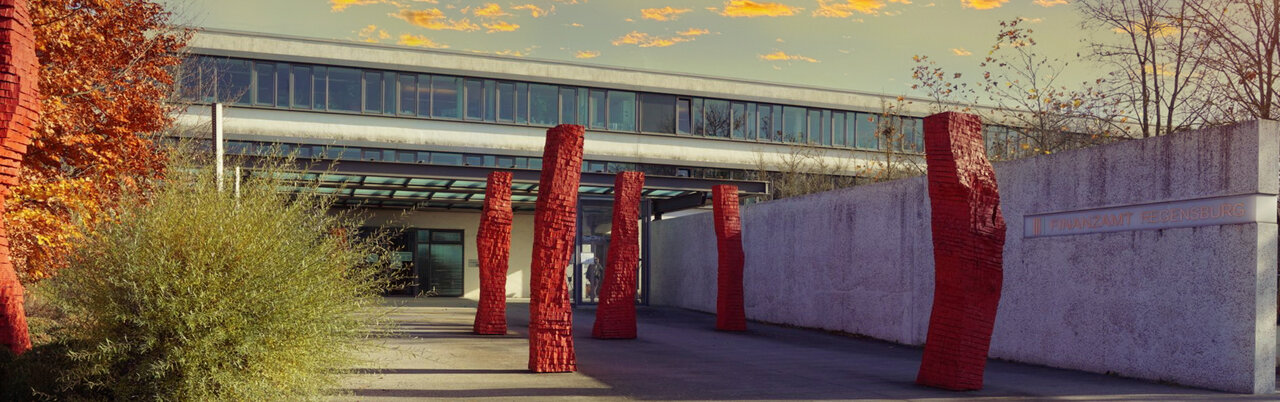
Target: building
(407, 136)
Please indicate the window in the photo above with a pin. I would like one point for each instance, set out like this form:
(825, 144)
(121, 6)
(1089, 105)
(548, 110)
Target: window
(867, 125)
(475, 99)
(544, 104)
(233, 80)
(794, 120)
(750, 120)
(441, 158)
(408, 94)
(815, 127)
(583, 95)
(622, 111)
(739, 119)
(282, 85)
(717, 117)
(302, 87)
(682, 116)
(344, 89)
(446, 97)
(568, 105)
(765, 118)
(389, 92)
(826, 127)
(837, 126)
(373, 91)
(913, 139)
(657, 113)
(490, 100)
(321, 88)
(596, 108)
(266, 74)
(506, 102)
(698, 127)
(522, 102)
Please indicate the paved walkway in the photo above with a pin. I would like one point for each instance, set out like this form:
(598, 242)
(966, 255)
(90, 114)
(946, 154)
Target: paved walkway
(678, 356)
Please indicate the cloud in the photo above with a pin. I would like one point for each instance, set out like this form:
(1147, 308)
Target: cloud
(959, 51)
(372, 34)
(667, 13)
(645, 40)
(534, 11)
(782, 56)
(418, 40)
(490, 10)
(1050, 3)
(586, 54)
(846, 8)
(341, 5)
(576, 25)
(983, 4)
(751, 9)
(693, 32)
(500, 26)
(1031, 20)
(435, 20)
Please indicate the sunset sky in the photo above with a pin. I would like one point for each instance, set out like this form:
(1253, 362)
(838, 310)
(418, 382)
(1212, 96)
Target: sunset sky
(862, 45)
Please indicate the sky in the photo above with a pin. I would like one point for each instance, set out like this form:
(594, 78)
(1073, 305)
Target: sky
(862, 45)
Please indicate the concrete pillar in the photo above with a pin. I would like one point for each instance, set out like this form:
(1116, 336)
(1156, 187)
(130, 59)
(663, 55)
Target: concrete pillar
(493, 244)
(19, 109)
(730, 311)
(616, 315)
(555, 221)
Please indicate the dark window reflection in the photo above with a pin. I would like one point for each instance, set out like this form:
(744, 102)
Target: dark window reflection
(568, 105)
(233, 79)
(794, 121)
(344, 89)
(717, 115)
(657, 113)
(475, 99)
(622, 111)
(445, 101)
(682, 116)
(866, 136)
(266, 73)
(596, 108)
(506, 102)
(544, 104)
(373, 91)
(302, 87)
(408, 94)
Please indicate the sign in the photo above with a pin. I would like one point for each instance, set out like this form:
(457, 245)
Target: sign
(1229, 210)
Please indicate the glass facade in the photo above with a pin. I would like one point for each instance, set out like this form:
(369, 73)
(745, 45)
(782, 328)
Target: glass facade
(436, 96)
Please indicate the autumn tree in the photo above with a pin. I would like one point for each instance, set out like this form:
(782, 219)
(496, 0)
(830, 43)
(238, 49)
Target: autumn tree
(1241, 47)
(106, 72)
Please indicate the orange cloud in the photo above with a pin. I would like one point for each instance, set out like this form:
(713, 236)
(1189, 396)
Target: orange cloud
(586, 54)
(1050, 3)
(959, 51)
(534, 11)
(667, 13)
(845, 8)
(490, 10)
(983, 4)
(782, 56)
(645, 40)
(435, 20)
(576, 25)
(693, 32)
(417, 40)
(340, 5)
(372, 34)
(751, 9)
(501, 26)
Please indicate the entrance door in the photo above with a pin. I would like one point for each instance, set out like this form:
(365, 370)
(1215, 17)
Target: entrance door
(438, 260)
(595, 229)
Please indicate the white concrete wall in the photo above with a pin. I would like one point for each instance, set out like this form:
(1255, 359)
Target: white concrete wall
(1195, 306)
(469, 223)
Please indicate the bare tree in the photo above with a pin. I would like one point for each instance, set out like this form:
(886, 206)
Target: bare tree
(1242, 47)
(803, 170)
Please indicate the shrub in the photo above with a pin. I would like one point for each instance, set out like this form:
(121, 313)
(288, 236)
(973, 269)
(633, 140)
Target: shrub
(194, 294)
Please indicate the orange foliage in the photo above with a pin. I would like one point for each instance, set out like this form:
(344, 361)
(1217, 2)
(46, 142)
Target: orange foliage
(105, 73)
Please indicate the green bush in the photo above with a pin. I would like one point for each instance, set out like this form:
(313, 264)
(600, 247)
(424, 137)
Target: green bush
(195, 294)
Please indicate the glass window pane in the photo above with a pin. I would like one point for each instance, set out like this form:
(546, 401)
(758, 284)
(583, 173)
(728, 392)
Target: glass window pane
(302, 87)
(442, 158)
(389, 93)
(826, 127)
(475, 99)
(794, 121)
(373, 91)
(408, 94)
(717, 115)
(622, 111)
(837, 129)
(815, 126)
(698, 127)
(490, 100)
(473, 160)
(424, 95)
(282, 85)
(583, 110)
(867, 124)
(739, 120)
(596, 108)
(850, 129)
(765, 117)
(544, 104)
(445, 97)
(777, 123)
(506, 102)
(750, 119)
(522, 103)
(234, 78)
(319, 99)
(682, 116)
(657, 113)
(916, 127)
(568, 105)
(344, 89)
(265, 73)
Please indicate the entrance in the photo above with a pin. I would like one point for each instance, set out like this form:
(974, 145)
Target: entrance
(438, 259)
(591, 251)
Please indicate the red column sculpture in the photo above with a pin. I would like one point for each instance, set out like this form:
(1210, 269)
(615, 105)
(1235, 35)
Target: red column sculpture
(19, 109)
(555, 219)
(616, 315)
(968, 250)
(493, 243)
(730, 313)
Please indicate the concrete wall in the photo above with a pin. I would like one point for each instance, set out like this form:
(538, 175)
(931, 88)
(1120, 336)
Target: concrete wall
(1195, 306)
(469, 223)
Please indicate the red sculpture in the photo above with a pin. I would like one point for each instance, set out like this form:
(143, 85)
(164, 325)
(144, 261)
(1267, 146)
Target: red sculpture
(19, 110)
(968, 249)
(616, 315)
(730, 313)
(493, 243)
(555, 219)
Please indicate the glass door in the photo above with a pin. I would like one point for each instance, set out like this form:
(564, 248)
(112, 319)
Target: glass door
(438, 259)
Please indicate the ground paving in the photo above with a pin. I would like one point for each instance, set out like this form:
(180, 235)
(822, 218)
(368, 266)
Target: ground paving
(679, 356)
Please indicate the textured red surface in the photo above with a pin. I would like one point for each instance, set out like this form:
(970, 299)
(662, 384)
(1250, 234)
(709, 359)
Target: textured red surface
(616, 315)
(493, 243)
(730, 313)
(968, 249)
(19, 109)
(554, 222)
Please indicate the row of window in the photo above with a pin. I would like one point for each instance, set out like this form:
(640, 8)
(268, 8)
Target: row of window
(342, 89)
(465, 159)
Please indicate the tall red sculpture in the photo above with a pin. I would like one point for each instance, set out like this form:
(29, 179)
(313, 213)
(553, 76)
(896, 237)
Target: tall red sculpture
(730, 313)
(19, 109)
(555, 218)
(616, 315)
(968, 249)
(493, 243)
